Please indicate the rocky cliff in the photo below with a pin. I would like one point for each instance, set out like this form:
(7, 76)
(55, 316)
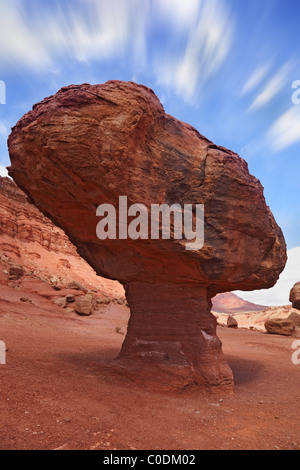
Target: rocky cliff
(44, 253)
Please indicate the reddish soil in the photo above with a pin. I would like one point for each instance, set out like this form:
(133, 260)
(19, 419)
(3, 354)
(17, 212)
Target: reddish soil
(56, 393)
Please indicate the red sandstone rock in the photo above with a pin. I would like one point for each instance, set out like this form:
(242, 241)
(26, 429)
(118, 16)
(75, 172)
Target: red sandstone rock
(43, 251)
(295, 296)
(22, 222)
(88, 145)
(232, 322)
(280, 326)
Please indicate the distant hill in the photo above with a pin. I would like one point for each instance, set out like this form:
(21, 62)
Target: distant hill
(231, 303)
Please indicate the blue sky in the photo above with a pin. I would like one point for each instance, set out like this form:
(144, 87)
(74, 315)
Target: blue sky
(226, 67)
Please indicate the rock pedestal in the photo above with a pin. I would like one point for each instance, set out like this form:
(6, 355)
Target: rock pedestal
(90, 145)
(171, 326)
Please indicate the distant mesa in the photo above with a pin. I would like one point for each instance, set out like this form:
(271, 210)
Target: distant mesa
(87, 145)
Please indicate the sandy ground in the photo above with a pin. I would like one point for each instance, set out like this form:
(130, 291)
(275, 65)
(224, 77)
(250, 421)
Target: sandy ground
(55, 392)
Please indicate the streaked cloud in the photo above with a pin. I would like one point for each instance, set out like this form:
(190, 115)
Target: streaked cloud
(256, 78)
(208, 42)
(21, 44)
(3, 129)
(272, 88)
(95, 30)
(285, 131)
(180, 13)
(83, 30)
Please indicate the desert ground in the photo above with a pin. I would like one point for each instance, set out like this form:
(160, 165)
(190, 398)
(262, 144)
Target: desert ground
(58, 390)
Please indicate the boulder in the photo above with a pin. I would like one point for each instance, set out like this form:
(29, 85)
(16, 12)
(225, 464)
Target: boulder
(279, 326)
(85, 304)
(74, 285)
(61, 302)
(295, 296)
(15, 272)
(89, 145)
(231, 322)
(295, 318)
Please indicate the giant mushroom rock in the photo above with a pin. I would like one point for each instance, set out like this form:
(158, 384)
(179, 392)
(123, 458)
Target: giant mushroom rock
(88, 145)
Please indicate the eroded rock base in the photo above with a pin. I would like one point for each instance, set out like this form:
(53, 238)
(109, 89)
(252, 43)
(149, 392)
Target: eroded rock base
(171, 340)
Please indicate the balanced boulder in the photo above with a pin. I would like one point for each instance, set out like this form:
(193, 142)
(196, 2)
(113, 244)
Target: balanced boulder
(90, 145)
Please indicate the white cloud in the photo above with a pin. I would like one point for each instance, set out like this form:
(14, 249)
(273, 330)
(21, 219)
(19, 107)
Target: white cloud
(3, 171)
(285, 131)
(256, 78)
(208, 43)
(88, 30)
(279, 294)
(21, 44)
(272, 88)
(3, 129)
(85, 30)
(181, 13)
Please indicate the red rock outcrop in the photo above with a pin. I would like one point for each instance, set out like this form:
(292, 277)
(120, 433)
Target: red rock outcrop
(295, 296)
(88, 145)
(23, 222)
(43, 251)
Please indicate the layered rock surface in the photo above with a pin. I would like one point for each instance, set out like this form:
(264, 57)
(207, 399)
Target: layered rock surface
(35, 253)
(88, 145)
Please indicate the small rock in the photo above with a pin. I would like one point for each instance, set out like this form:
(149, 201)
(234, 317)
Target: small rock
(61, 302)
(231, 322)
(55, 286)
(15, 272)
(76, 286)
(295, 296)
(103, 301)
(84, 305)
(295, 318)
(279, 326)
(25, 299)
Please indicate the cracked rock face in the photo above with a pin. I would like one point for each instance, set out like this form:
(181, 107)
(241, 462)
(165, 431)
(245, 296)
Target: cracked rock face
(89, 145)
